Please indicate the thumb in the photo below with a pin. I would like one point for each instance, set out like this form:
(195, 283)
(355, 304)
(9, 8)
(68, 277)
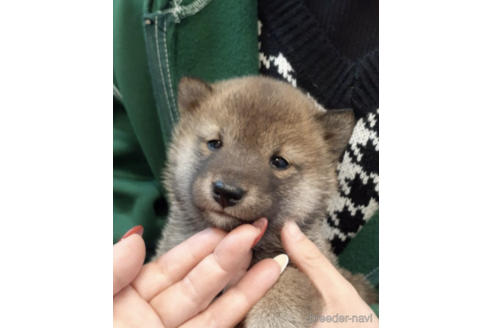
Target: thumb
(128, 258)
(309, 259)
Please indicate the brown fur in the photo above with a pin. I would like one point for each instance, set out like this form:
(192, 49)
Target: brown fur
(257, 118)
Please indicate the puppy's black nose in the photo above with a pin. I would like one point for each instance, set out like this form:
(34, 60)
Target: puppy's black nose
(226, 195)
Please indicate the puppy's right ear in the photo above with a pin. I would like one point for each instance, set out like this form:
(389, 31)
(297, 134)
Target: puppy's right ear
(191, 92)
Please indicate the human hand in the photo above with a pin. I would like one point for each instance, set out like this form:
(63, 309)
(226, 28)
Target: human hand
(128, 258)
(178, 288)
(340, 297)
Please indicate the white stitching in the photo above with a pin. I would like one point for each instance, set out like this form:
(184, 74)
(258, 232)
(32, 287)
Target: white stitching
(168, 69)
(117, 93)
(371, 273)
(160, 65)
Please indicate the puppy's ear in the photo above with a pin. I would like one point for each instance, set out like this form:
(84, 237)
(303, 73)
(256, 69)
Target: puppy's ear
(337, 126)
(191, 92)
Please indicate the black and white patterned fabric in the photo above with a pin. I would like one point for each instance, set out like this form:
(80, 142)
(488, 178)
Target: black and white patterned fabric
(294, 47)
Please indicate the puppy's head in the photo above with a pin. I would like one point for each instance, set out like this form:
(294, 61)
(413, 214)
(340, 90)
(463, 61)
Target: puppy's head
(250, 148)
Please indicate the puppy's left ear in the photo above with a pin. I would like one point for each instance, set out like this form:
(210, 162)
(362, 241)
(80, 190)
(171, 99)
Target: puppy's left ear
(337, 126)
(191, 93)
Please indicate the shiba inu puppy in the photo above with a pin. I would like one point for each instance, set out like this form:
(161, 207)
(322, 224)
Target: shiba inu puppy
(250, 148)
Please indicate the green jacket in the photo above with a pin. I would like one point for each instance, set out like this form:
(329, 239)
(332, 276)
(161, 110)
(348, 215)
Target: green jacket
(155, 44)
(153, 47)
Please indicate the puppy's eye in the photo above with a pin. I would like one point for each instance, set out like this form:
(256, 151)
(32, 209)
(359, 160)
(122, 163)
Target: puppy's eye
(279, 162)
(214, 144)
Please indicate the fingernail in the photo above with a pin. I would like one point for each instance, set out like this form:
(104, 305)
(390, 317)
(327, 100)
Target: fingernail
(135, 230)
(282, 260)
(261, 225)
(293, 230)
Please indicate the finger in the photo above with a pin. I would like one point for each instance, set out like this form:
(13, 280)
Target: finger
(175, 264)
(229, 309)
(128, 258)
(309, 259)
(194, 293)
(241, 272)
(130, 310)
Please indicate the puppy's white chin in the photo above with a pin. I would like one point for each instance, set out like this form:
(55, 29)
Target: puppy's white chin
(222, 220)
